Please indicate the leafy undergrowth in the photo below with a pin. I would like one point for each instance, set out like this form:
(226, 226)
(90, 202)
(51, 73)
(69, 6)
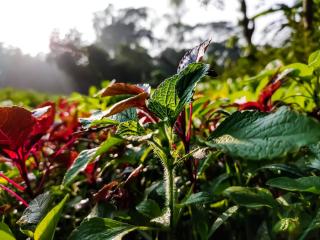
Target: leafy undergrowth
(195, 158)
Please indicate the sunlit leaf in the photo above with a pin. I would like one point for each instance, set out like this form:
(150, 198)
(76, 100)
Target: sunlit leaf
(135, 101)
(170, 97)
(47, 227)
(314, 59)
(254, 135)
(121, 88)
(16, 125)
(193, 55)
(5, 232)
(299, 69)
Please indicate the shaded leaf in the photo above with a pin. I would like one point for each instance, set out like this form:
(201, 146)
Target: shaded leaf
(149, 208)
(37, 209)
(126, 115)
(87, 156)
(314, 224)
(255, 135)
(102, 229)
(251, 197)
(47, 227)
(289, 225)
(104, 192)
(196, 198)
(282, 168)
(222, 219)
(303, 184)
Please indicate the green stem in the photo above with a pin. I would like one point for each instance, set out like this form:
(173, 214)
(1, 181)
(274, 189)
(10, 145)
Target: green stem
(170, 197)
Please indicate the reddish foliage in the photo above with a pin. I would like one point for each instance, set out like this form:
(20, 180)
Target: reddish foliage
(16, 125)
(20, 132)
(121, 88)
(135, 101)
(69, 121)
(264, 100)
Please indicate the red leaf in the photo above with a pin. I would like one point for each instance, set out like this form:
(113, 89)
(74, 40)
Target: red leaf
(105, 192)
(135, 101)
(250, 105)
(266, 94)
(45, 117)
(16, 125)
(121, 88)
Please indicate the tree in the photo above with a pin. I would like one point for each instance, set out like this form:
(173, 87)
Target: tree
(124, 27)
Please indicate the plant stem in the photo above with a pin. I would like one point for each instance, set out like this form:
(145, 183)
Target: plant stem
(24, 174)
(170, 196)
(169, 180)
(12, 193)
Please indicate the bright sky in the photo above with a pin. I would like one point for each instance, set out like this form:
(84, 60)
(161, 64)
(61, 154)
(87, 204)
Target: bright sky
(28, 24)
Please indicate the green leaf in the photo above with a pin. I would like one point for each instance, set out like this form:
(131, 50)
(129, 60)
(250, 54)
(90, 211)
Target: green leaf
(304, 184)
(223, 218)
(126, 115)
(37, 209)
(102, 229)
(251, 197)
(196, 198)
(314, 59)
(314, 150)
(5, 232)
(205, 163)
(149, 208)
(170, 97)
(315, 223)
(47, 227)
(288, 225)
(87, 156)
(130, 128)
(282, 168)
(97, 118)
(255, 135)
(300, 69)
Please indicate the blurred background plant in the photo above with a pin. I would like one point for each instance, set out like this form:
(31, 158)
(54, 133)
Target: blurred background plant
(137, 44)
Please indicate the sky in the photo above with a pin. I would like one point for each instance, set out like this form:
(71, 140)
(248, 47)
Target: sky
(29, 24)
